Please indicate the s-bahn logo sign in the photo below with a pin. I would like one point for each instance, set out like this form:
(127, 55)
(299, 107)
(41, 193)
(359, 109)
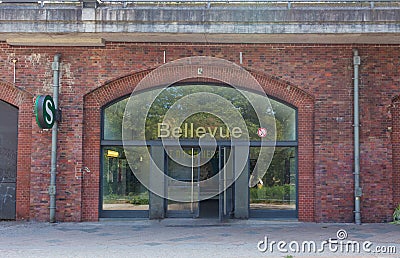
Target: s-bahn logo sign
(45, 111)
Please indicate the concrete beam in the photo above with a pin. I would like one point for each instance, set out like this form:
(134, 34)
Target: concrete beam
(99, 39)
(220, 24)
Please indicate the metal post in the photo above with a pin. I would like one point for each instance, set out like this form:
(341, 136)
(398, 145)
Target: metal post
(224, 171)
(53, 172)
(192, 190)
(357, 189)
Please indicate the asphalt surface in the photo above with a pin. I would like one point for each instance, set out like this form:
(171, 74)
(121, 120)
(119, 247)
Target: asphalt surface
(197, 238)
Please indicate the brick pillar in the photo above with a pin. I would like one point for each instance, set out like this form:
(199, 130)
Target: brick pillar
(24, 160)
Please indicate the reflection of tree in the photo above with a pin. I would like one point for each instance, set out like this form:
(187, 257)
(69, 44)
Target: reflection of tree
(113, 115)
(119, 177)
(280, 169)
(279, 182)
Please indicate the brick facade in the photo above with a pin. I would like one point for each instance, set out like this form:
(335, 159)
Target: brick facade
(23, 101)
(317, 79)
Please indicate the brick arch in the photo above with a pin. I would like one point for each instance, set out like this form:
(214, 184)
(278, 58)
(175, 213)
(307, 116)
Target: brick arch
(395, 112)
(304, 103)
(93, 103)
(95, 100)
(23, 101)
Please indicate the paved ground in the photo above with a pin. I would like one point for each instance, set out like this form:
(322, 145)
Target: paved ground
(195, 238)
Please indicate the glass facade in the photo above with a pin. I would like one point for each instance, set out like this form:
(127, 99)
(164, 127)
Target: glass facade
(121, 189)
(275, 190)
(187, 174)
(285, 116)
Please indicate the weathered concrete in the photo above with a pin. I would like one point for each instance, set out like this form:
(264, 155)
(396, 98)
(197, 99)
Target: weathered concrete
(197, 23)
(194, 238)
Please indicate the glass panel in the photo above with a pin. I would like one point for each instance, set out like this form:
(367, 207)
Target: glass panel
(8, 142)
(285, 116)
(209, 167)
(189, 174)
(121, 189)
(277, 188)
(113, 116)
(226, 178)
(285, 121)
(206, 121)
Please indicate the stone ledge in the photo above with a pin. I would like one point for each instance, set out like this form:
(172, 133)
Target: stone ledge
(55, 41)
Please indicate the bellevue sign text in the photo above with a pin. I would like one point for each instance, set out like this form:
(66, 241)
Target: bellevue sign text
(188, 131)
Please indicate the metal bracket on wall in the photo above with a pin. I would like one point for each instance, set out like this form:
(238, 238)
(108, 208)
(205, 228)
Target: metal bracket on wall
(52, 189)
(358, 192)
(81, 171)
(58, 115)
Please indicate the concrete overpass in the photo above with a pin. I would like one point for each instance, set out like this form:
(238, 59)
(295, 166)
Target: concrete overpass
(92, 23)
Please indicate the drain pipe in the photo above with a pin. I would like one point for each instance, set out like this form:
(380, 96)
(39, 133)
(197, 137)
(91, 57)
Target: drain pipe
(53, 172)
(357, 188)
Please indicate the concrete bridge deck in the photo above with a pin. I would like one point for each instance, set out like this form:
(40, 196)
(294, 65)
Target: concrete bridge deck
(90, 23)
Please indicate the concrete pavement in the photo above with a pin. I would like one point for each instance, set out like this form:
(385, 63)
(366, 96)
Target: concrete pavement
(197, 238)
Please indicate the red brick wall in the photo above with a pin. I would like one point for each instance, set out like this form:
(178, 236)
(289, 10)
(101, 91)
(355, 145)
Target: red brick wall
(94, 101)
(23, 101)
(315, 78)
(305, 112)
(379, 83)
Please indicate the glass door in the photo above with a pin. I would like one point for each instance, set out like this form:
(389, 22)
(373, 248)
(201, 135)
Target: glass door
(183, 188)
(275, 193)
(226, 179)
(122, 194)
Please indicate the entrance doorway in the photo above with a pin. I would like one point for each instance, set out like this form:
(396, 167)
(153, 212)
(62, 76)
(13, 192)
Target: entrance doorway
(195, 166)
(169, 165)
(8, 159)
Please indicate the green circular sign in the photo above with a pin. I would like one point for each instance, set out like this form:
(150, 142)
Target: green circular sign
(45, 111)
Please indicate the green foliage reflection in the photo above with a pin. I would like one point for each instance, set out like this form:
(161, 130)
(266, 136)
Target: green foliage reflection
(282, 115)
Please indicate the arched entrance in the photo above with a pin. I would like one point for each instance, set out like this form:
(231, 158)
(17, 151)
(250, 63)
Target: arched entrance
(16, 109)
(273, 195)
(94, 145)
(8, 160)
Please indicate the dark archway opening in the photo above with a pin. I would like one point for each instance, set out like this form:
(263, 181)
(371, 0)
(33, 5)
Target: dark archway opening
(8, 160)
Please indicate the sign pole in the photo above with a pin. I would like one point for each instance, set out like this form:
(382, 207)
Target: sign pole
(53, 172)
